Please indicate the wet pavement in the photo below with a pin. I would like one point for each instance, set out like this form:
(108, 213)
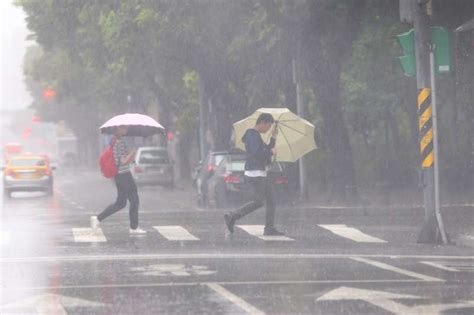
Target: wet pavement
(332, 262)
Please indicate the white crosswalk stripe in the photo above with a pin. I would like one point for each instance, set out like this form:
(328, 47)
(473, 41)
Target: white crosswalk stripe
(351, 233)
(257, 231)
(4, 237)
(88, 235)
(175, 233)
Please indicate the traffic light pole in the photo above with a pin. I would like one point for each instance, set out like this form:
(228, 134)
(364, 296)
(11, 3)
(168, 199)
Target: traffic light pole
(430, 230)
(301, 113)
(439, 218)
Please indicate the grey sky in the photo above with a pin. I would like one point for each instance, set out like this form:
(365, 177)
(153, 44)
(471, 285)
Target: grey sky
(13, 32)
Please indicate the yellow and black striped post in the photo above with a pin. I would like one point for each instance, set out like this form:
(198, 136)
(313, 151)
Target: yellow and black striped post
(425, 113)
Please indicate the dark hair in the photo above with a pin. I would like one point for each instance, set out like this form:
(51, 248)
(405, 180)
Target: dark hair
(265, 118)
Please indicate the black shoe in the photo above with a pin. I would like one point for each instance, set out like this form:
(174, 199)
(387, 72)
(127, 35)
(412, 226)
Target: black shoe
(272, 232)
(229, 221)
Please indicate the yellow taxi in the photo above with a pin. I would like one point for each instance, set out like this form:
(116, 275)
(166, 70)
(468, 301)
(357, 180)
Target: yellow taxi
(27, 173)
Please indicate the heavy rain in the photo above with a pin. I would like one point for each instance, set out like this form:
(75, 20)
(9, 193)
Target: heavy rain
(237, 157)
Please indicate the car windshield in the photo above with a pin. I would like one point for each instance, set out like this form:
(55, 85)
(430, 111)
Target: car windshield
(28, 162)
(236, 166)
(218, 159)
(153, 157)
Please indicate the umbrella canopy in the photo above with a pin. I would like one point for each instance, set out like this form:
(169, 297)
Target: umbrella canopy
(138, 125)
(295, 135)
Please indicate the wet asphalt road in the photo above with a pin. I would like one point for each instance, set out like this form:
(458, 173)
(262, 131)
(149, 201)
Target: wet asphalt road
(332, 261)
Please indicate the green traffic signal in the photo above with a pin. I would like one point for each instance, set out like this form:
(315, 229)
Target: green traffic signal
(407, 42)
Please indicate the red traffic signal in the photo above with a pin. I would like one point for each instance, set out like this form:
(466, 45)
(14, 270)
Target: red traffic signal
(49, 94)
(27, 132)
(36, 119)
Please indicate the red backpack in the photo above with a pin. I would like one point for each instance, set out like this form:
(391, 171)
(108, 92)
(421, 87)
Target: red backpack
(107, 161)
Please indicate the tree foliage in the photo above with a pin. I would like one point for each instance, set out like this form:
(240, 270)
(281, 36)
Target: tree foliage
(233, 57)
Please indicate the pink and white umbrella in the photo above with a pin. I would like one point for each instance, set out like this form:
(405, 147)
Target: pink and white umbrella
(138, 125)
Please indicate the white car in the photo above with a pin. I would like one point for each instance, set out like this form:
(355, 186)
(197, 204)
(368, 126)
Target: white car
(153, 166)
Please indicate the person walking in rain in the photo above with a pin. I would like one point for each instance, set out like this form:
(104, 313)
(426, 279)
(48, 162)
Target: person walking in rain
(258, 158)
(126, 187)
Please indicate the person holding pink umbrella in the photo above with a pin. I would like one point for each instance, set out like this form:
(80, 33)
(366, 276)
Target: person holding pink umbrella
(121, 126)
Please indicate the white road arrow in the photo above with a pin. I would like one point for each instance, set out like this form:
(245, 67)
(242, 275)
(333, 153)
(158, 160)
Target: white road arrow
(47, 304)
(385, 301)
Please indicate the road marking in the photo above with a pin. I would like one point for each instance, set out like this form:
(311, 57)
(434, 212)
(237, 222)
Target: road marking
(198, 282)
(351, 233)
(397, 270)
(385, 301)
(175, 233)
(250, 309)
(141, 257)
(88, 235)
(378, 298)
(4, 237)
(451, 265)
(81, 208)
(257, 230)
(180, 270)
(47, 304)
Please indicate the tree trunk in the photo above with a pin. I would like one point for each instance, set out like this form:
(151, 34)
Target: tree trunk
(341, 165)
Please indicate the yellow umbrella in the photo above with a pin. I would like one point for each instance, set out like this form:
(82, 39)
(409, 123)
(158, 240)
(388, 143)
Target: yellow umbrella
(295, 135)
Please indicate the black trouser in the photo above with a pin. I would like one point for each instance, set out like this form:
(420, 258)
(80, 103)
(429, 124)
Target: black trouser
(262, 194)
(126, 189)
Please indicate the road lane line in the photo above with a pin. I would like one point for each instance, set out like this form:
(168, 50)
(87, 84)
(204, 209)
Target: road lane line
(88, 235)
(257, 231)
(250, 309)
(212, 255)
(4, 237)
(351, 233)
(451, 266)
(175, 233)
(178, 284)
(396, 269)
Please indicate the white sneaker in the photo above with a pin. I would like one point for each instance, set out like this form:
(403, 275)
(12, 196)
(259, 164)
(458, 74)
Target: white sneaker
(94, 222)
(137, 231)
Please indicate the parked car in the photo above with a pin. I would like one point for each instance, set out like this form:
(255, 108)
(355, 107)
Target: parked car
(226, 186)
(27, 173)
(204, 171)
(153, 166)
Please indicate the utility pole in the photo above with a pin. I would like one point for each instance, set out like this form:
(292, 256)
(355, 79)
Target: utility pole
(301, 112)
(202, 118)
(430, 232)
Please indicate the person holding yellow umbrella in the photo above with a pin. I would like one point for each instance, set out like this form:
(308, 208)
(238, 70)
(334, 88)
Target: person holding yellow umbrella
(295, 140)
(258, 157)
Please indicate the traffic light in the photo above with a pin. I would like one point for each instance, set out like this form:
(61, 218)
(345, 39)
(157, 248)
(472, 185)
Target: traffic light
(408, 61)
(440, 40)
(27, 132)
(36, 119)
(49, 94)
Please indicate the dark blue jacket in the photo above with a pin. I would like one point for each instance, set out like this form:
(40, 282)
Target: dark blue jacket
(258, 154)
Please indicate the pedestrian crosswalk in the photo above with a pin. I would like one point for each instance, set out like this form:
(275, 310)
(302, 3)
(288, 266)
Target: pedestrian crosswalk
(88, 235)
(257, 231)
(175, 233)
(351, 233)
(194, 233)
